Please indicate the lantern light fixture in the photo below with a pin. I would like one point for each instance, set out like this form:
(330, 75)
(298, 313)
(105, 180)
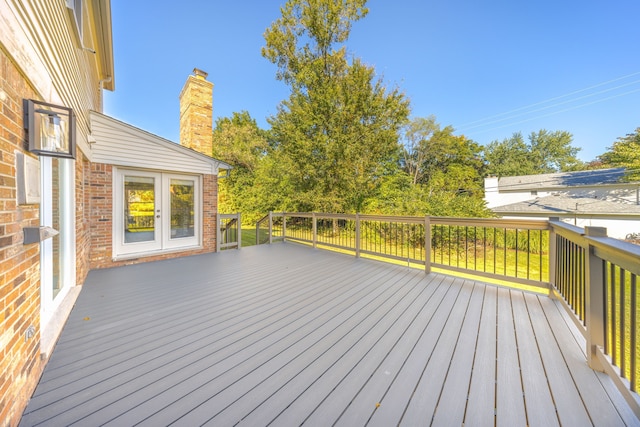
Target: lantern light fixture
(51, 129)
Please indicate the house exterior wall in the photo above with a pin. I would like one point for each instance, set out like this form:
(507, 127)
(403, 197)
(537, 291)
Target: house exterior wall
(41, 59)
(121, 144)
(493, 197)
(83, 220)
(101, 220)
(20, 364)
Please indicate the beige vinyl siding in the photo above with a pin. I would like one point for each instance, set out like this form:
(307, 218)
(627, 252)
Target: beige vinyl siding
(120, 144)
(40, 38)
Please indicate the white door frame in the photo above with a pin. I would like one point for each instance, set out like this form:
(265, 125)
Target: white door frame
(119, 244)
(163, 241)
(66, 239)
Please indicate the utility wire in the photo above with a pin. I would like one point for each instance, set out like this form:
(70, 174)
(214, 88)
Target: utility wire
(552, 99)
(511, 115)
(561, 103)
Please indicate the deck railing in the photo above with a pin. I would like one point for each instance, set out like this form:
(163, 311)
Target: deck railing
(229, 231)
(594, 276)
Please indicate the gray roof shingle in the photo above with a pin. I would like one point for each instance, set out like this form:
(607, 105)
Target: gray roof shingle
(562, 180)
(560, 204)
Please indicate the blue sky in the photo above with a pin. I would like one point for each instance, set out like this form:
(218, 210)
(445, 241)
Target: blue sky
(488, 68)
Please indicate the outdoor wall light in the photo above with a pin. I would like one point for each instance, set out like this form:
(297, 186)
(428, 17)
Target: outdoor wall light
(52, 129)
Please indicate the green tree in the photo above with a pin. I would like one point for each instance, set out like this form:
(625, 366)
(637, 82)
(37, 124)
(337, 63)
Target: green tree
(336, 135)
(553, 152)
(416, 137)
(546, 152)
(239, 141)
(625, 152)
(509, 157)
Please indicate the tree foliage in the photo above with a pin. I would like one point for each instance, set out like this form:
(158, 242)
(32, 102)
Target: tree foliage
(239, 141)
(308, 33)
(546, 152)
(625, 152)
(336, 135)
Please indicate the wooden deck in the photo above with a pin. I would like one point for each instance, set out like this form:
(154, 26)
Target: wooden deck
(284, 335)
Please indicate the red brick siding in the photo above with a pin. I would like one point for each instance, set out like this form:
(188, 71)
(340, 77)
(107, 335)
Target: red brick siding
(101, 220)
(83, 220)
(20, 364)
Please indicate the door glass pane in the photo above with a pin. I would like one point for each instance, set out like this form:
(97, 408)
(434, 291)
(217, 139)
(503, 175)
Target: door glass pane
(139, 209)
(182, 208)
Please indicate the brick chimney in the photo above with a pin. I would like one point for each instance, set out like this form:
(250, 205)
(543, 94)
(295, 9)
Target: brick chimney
(196, 113)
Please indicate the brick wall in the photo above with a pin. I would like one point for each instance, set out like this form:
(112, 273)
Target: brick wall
(196, 113)
(101, 211)
(20, 364)
(101, 220)
(83, 224)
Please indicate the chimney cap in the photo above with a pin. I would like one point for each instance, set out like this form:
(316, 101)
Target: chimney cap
(199, 73)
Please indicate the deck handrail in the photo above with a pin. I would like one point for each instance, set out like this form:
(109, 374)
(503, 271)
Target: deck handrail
(592, 275)
(602, 295)
(229, 231)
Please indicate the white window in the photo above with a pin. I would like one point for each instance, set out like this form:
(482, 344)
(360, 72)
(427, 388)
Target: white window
(76, 10)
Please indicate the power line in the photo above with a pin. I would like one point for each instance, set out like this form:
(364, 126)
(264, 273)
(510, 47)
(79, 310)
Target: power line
(559, 111)
(563, 103)
(510, 115)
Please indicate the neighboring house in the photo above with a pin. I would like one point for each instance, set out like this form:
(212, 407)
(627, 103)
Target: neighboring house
(56, 57)
(586, 198)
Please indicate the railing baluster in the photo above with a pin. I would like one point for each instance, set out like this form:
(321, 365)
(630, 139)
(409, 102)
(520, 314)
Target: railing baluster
(622, 333)
(528, 250)
(633, 379)
(613, 315)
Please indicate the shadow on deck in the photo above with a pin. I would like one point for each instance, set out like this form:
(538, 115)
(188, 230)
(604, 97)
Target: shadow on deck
(285, 334)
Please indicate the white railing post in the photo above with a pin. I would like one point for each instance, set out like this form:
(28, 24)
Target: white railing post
(595, 304)
(357, 235)
(217, 232)
(314, 229)
(270, 227)
(553, 260)
(284, 227)
(239, 230)
(427, 244)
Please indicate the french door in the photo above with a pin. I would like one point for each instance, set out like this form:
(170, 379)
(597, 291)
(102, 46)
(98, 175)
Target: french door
(155, 211)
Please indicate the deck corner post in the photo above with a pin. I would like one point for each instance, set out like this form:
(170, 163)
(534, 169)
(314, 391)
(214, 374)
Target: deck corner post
(217, 228)
(314, 227)
(239, 230)
(427, 244)
(270, 227)
(553, 260)
(357, 235)
(284, 226)
(595, 302)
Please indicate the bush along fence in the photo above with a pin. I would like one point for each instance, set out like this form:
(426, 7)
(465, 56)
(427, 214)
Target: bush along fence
(594, 276)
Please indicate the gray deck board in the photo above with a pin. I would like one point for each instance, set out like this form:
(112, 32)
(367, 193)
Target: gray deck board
(571, 409)
(367, 387)
(422, 405)
(393, 401)
(510, 409)
(284, 335)
(601, 411)
(481, 402)
(453, 399)
(320, 380)
(537, 396)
